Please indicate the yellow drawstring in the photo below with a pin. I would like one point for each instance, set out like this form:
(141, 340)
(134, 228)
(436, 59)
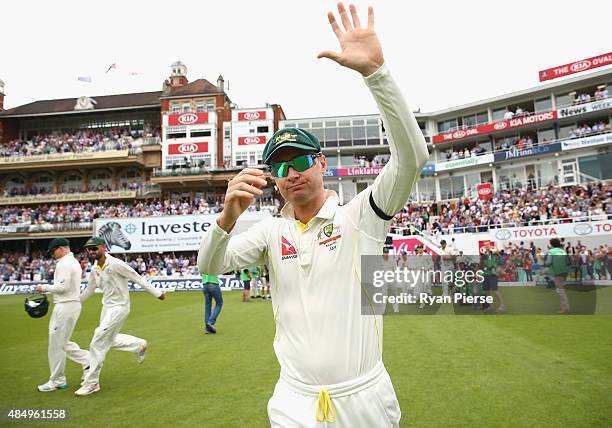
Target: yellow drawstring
(325, 410)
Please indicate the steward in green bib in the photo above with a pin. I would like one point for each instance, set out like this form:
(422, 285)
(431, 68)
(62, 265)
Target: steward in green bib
(557, 265)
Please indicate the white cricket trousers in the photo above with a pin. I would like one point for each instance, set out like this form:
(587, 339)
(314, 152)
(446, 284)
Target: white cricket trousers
(367, 401)
(61, 325)
(107, 336)
(254, 289)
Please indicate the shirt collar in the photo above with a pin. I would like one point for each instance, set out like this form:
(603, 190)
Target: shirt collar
(327, 211)
(108, 258)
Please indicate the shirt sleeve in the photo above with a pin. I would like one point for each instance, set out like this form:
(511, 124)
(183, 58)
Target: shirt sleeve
(391, 189)
(127, 272)
(61, 279)
(91, 287)
(220, 252)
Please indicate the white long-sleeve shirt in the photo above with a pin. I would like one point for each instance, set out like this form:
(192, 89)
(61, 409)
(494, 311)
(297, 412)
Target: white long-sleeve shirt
(112, 279)
(66, 285)
(321, 336)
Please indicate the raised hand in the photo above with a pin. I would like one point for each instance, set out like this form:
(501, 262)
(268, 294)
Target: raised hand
(241, 191)
(361, 50)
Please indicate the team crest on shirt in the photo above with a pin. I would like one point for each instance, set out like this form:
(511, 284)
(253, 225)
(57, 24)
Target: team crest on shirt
(328, 235)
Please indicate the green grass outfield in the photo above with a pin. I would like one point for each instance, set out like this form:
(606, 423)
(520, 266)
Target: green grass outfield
(448, 371)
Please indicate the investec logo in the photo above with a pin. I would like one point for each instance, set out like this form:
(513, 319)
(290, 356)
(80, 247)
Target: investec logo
(173, 228)
(187, 148)
(188, 118)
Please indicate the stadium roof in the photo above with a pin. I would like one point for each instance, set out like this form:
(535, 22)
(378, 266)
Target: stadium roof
(103, 102)
(197, 87)
(111, 102)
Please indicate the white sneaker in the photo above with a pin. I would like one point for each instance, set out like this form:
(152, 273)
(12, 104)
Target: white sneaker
(87, 389)
(140, 355)
(50, 386)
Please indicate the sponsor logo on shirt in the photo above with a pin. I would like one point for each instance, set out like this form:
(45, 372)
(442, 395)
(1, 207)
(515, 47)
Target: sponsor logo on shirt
(288, 251)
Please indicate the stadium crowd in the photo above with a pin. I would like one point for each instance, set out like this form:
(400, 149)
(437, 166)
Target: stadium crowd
(84, 140)
(527, 263)
(599, 94)
(584, 130)
(82, 212)
(510, 208)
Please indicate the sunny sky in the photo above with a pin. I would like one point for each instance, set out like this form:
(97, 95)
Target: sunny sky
(442, 53)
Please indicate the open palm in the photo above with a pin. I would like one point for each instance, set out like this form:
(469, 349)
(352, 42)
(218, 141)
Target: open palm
(360, 47)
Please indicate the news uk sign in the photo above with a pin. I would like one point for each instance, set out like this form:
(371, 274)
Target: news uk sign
(584, 108)
(161, 234)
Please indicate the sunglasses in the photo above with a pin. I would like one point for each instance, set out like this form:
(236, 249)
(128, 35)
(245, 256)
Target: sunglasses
(299, 163)
(91, 249)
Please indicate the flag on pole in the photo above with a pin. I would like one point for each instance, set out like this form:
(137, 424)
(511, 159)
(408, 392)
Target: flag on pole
(113, 65)
(84, 79)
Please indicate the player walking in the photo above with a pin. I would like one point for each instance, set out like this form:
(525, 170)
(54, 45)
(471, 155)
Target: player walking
(111, 275)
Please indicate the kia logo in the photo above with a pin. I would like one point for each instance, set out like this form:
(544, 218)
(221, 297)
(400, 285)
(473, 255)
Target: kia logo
(459, 134)
(403, 248)
(583, 229)
(251, 115)
(188, 148)
(503, 235)
(251, 140)
(484, 191)
(188, 118)
(500, 125)
(580, 65)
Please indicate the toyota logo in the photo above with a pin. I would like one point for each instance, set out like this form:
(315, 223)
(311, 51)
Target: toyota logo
(188, 118)
(188, 148)
(583, 229)
(500, 125)
(503, 235)
(252, 140)
(251, 115)
(581, 65)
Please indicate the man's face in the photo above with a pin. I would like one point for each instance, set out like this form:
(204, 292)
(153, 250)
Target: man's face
(96, 253)
(300, 188)
(55, 253)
